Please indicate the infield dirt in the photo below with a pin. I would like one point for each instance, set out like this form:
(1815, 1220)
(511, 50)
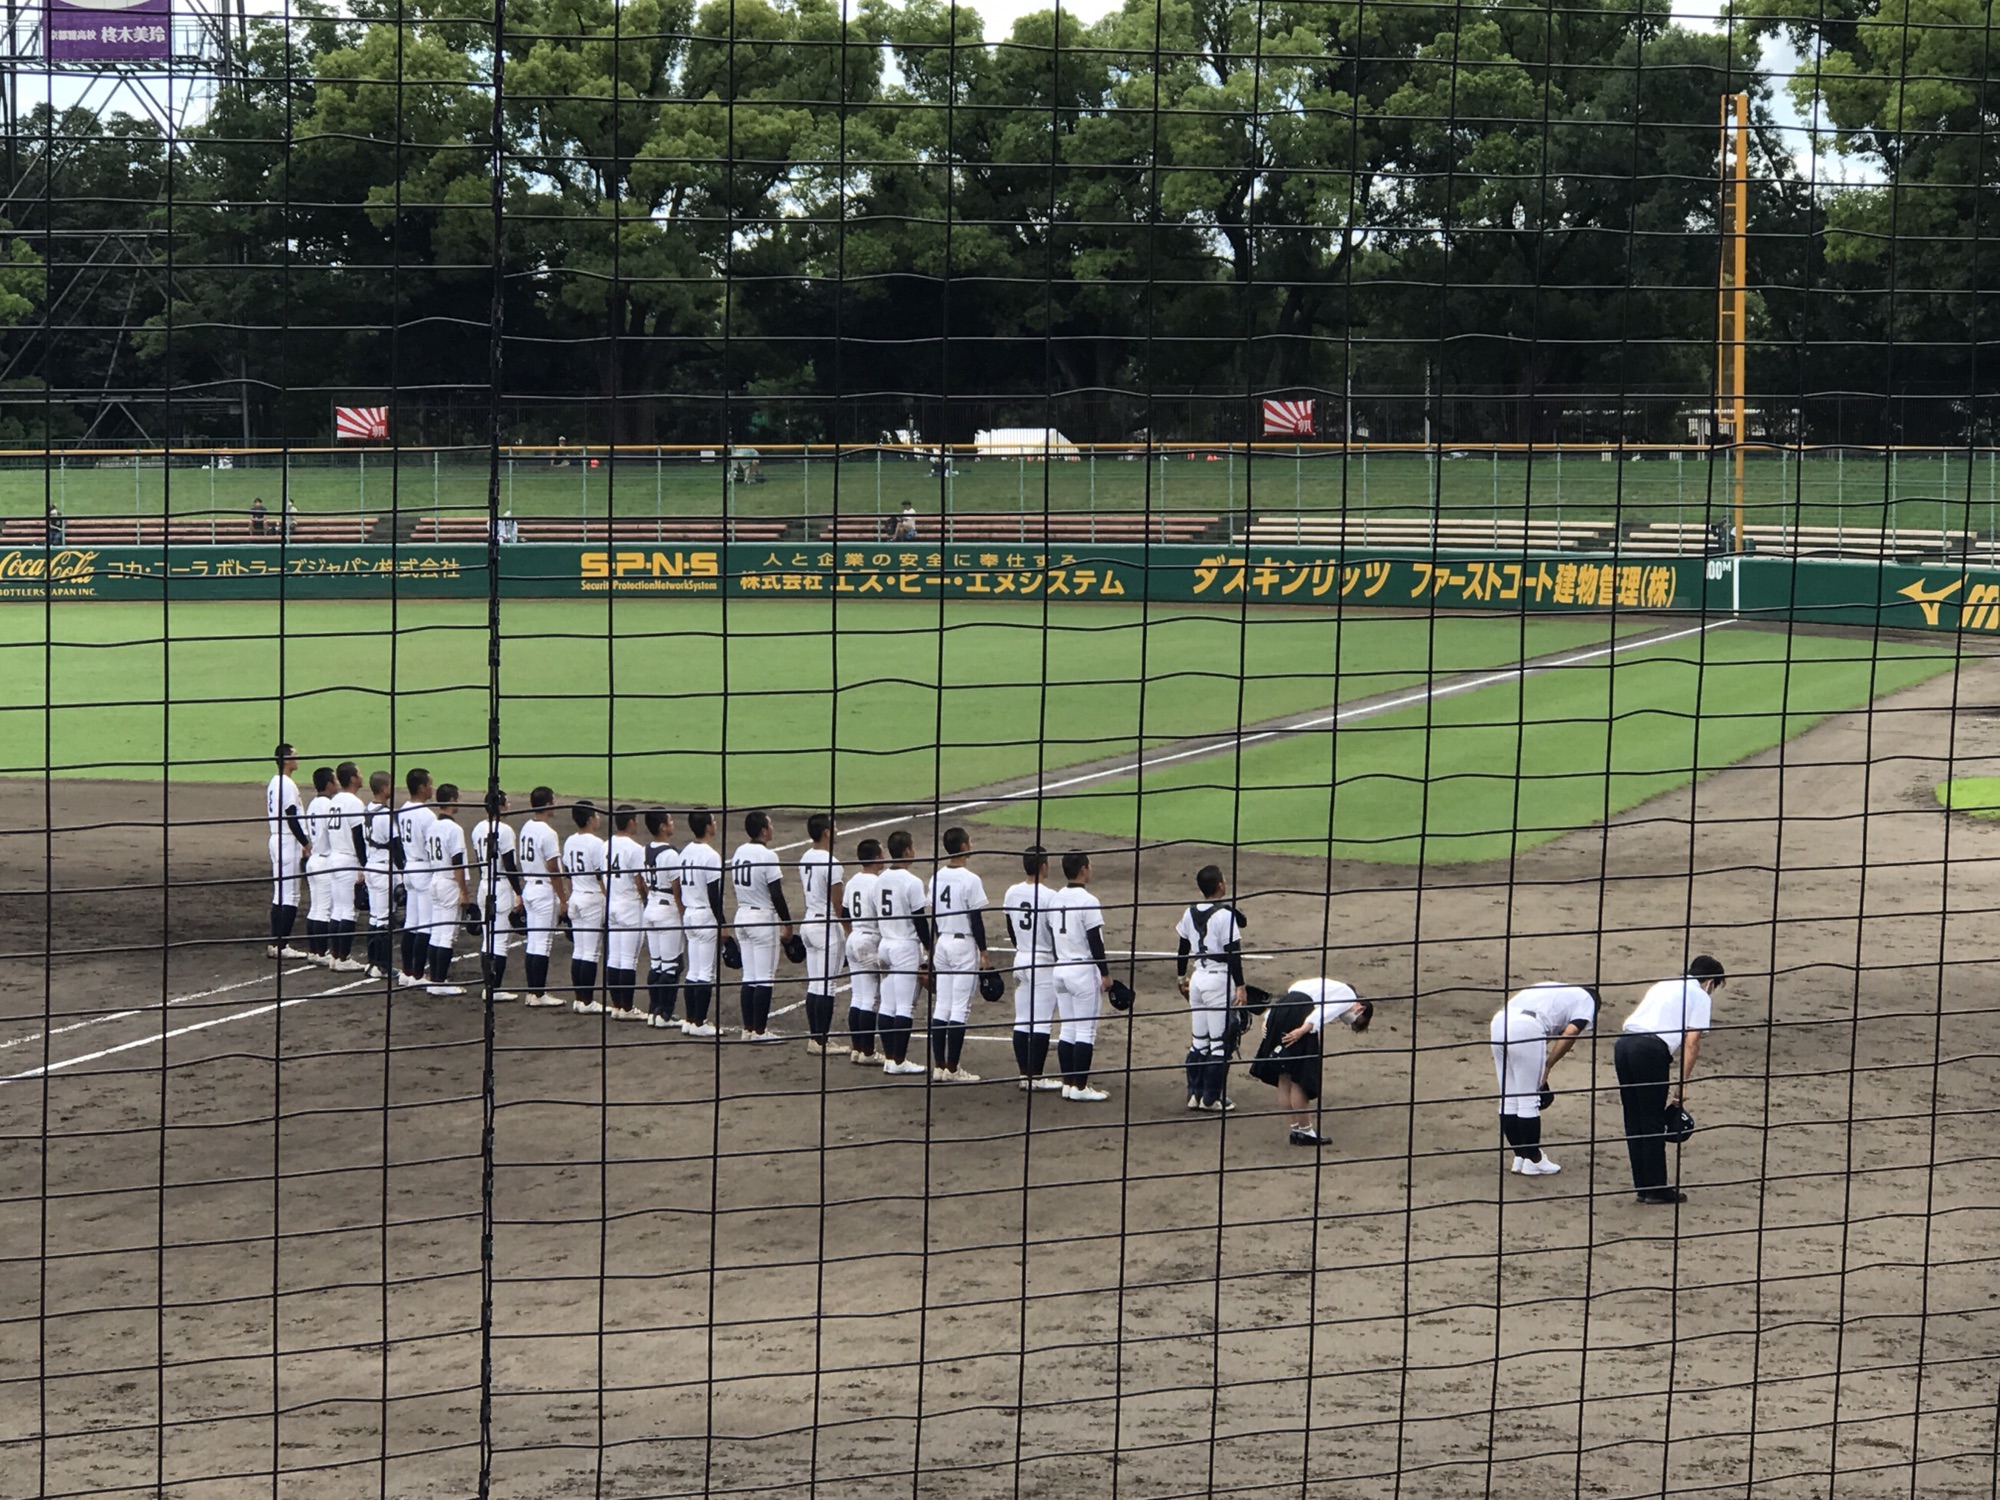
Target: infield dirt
(729, 1269)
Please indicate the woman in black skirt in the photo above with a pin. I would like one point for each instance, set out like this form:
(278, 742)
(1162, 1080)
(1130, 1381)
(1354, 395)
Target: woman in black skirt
(1289, 1056)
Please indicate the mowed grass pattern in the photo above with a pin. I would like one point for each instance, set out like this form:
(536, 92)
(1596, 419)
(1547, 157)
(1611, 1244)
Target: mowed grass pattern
(809, 704)
(1489, 773)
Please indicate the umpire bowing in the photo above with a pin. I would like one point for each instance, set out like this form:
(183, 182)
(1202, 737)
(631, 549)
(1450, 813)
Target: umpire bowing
(1668, 1021)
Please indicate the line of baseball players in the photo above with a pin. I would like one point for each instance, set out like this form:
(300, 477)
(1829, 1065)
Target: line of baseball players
(892, 934)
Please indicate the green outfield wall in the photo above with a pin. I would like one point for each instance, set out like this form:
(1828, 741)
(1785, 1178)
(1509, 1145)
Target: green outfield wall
(1946, 597)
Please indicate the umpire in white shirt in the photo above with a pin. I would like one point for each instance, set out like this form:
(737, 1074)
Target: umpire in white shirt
(1668, 1021)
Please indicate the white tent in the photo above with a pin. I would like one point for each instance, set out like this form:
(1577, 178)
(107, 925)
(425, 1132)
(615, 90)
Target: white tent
(1023, 442)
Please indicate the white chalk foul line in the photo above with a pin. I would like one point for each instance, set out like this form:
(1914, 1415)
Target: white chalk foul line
(1222, 743)
(161, 1038)
(126, 1015)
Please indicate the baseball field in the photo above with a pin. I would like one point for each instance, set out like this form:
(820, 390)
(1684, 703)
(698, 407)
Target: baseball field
(245, 1240)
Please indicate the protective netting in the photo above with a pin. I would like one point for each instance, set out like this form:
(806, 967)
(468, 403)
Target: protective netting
(1456, 541)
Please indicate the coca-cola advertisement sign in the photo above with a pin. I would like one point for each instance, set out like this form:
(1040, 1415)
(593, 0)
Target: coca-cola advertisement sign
(106, 30)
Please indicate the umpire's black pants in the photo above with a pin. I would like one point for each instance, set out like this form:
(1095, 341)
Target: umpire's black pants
(1644, 1065)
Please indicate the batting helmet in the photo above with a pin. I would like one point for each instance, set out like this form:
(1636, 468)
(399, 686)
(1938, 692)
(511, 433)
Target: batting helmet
(991, 985)
(795, 948)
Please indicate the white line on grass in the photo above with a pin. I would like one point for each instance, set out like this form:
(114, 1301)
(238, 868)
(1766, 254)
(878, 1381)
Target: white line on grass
(1220, 743)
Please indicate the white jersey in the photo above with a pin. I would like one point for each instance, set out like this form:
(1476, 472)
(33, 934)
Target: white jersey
(444, 852)
(540, 854)
(413, 826)
(319, 814)
(1027, 903)
(1670, 1010)
(1331, 1000)
(1073, 915)
(378, 827)
(863, 910)
(583, 861)
(663, 872)
(701, 866)
(495, 838)
(627, 864)
(956, 893)
(1209, 927)
(1555, 1007)
(753, 870)
(819, 873)
(280, 797)
(347, 816)
(899, 897)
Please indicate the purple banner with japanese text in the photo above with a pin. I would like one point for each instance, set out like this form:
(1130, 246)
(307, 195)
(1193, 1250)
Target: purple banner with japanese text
(107, 30)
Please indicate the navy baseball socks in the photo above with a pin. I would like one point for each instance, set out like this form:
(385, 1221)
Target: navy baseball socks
(861, 1027)
(662, 990)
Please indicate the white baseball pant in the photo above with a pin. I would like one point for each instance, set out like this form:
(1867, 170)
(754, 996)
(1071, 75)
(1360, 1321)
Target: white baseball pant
(955, 963)
(1520, 1051)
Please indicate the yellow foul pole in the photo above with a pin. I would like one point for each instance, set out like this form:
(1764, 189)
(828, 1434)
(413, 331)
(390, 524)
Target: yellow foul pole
(1732, 287)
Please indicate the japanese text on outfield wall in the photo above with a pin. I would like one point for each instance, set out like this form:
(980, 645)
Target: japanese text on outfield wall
(107, 30)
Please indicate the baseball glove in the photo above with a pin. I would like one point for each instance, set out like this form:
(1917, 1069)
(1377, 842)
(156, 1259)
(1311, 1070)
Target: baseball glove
(795, 948)
(518, 919)
(1677, 1124)
(1121, 995)
(732, 953)
(1548, 1096)
(991, 985)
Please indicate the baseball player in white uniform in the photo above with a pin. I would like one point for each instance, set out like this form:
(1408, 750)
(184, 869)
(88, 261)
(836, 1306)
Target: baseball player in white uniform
(283, 814)
(346, 854)
(1027, 903)
(583, 862)
(378, 833)
(907, 939)
(625, 870)
(319, 869)
(701, 919)
(864, 951)
(450, 887)
(665, 946)
(1082, 974)
(1530, 1034)
(413, 827)
(763, 920)
(544, 894)
(493, 851)
(1210, 935)
(825, 929)
(958, 908)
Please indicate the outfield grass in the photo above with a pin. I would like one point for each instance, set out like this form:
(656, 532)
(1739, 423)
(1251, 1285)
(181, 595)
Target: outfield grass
(1926, 491)
(1503, 769)
(636, 697)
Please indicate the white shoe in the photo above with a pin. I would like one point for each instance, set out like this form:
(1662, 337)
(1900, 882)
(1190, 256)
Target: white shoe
(815, 1049)
(1518, 1163)
(375, 973)
(659, 1023)
(942, 1075)
(404, 981)
(861, 1059)
(443, 991)
(1048, 1085)
(348, 966)
(702, 1030)
(505, 995)
(1220, 1107)
(1194, 1101)
(273, 951)
(959, 1075)
(545, 1002)
(288, 951)
(762, 1036)
(905, 1068)
(324, 960)
(635, 1014)
(587, 1007)
(1084, 1094)
(1543, 1168)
